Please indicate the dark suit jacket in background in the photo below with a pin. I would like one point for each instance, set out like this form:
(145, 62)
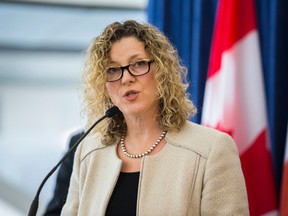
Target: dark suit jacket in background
(62, 182)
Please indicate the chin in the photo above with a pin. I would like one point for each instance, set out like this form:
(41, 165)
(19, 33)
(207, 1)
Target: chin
(138, 110)
(131, 110)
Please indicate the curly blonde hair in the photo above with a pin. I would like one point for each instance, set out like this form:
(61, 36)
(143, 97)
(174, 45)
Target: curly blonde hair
(170, 75)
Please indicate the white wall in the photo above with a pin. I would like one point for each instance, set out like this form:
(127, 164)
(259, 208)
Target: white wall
(41, 55)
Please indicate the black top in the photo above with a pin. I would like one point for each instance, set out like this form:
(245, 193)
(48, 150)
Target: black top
(124, 198)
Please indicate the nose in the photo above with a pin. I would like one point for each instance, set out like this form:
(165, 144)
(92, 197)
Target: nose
(127, 77)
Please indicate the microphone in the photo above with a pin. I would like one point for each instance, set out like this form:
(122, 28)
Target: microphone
(34, 205)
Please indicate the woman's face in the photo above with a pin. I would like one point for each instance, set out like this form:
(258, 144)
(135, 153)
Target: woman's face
(134, 95)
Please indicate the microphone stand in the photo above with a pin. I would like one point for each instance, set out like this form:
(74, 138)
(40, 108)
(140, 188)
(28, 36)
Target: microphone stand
(34, 205)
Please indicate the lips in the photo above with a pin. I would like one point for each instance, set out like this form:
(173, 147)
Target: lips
(131, 94)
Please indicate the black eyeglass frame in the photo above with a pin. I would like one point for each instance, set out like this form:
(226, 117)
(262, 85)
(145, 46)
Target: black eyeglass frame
(149, 61)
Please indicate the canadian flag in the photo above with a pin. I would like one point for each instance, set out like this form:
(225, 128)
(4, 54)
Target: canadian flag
(284, 187)
(234, 100)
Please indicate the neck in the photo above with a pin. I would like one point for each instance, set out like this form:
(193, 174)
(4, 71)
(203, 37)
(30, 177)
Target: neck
(141, 134)
(142, 128)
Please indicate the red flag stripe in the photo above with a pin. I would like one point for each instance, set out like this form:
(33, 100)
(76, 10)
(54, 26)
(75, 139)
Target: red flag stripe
(259, 176)
(284, 186)
(284, 191)
(230, 28)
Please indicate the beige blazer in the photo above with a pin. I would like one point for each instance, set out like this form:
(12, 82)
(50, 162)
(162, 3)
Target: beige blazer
(198, 172)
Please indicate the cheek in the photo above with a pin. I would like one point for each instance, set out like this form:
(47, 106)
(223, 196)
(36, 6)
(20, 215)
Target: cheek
(152, 85)
(110, 91)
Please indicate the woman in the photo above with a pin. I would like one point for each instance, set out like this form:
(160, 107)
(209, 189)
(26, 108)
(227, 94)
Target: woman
(149, 159)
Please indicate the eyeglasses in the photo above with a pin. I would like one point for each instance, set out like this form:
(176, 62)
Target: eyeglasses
(138, 68)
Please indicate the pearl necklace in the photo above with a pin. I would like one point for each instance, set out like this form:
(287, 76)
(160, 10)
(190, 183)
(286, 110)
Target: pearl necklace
(146, 152)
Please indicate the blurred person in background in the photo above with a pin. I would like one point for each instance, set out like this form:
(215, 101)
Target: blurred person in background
(58, 199)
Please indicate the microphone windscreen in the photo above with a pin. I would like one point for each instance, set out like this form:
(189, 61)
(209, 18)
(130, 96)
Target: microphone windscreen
(112, 111)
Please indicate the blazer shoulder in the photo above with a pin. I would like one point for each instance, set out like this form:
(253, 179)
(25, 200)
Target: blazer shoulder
(199, 138)
(90, 144)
